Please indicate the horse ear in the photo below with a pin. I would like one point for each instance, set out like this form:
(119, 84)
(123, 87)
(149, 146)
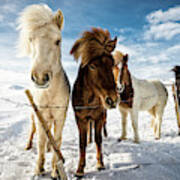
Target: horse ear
(176, 69)
(59, 19)
(115, 39)
(125, 58)
(110, 46)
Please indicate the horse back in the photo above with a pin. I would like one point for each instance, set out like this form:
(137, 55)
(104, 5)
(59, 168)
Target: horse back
(149, 93)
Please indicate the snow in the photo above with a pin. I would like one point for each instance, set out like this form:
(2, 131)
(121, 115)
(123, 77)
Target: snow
(151, 159)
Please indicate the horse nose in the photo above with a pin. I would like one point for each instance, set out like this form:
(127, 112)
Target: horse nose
(120, 88)
(41, 79)
(109, 102)
(33, 77)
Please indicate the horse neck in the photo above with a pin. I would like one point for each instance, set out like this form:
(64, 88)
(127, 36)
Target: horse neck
(85, 89)
(58, 78)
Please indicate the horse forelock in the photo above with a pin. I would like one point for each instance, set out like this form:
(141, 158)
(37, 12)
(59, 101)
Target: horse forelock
(34, 16)
(92, 44)
(31, 19)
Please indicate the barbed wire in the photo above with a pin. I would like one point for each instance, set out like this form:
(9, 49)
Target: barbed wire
(21, 104)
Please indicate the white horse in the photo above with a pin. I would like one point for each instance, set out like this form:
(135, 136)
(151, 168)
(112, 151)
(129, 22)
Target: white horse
(138, 95)
(40, 39)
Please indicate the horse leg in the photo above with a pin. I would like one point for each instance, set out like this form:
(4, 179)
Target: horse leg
(104, 125)
(58, 127)
(134, 119)
(32, 132)
(98, 139)
(159, 114)
(152, 113)
(82, 126)
(41, 150)
(90, 124)
(124, 125)
(48, 146)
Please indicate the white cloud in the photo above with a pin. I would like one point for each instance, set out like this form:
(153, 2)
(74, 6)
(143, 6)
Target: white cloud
(9, 8)
(126, 50)
(121, 38)
(1, 18)
(152, 53)
(5, 11)
(172, 14)
(163, 24)
(124, 30)
(151, 60)
(163, 31)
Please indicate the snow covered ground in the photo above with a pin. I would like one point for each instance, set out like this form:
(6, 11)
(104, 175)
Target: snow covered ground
(158, 160)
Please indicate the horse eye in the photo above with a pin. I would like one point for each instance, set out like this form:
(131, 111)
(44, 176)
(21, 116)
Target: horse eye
(92, 67)
(57, 42)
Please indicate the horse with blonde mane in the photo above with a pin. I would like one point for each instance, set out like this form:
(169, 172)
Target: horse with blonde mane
(94, 90)
(40, 39)
(138, 95)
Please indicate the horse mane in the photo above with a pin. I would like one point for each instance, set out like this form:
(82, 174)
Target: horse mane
(92, 44)
(31, 18)
(119, 57)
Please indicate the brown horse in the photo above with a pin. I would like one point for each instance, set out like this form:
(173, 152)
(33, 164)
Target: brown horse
(94, 89)
(176, 70)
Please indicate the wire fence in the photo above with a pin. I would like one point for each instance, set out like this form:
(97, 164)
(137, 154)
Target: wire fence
(22, 104)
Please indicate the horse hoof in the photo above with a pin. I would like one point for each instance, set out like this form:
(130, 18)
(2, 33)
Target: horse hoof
(79, 174)
(63, 160)
(28, 147)
(100, 167)
(54, 178)
(157, 138)
(122, 138)
(40, 172)
(136, 142)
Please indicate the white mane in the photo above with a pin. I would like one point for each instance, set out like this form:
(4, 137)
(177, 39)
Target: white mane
(30, 19)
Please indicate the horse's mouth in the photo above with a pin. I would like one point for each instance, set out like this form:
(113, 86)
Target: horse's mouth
(108, 106)
(42, 86)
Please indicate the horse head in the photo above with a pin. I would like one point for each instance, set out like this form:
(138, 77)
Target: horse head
(95, 47)
(40, 38)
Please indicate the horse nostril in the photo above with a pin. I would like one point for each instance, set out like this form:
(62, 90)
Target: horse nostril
(46, 78)
(120, 89)
(33, 78)
(109, 101)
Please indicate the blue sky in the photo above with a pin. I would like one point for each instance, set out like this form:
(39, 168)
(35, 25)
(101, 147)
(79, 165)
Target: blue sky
(149, 31)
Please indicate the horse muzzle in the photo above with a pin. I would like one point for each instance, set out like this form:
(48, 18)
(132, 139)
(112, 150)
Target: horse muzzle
(41, 81)
(110, 103)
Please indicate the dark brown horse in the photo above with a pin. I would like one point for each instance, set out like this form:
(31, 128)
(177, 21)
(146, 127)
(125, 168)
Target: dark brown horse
(176, 70)
(94, 89)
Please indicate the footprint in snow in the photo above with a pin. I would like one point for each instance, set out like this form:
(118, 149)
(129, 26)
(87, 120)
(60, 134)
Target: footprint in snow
(16, 87)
